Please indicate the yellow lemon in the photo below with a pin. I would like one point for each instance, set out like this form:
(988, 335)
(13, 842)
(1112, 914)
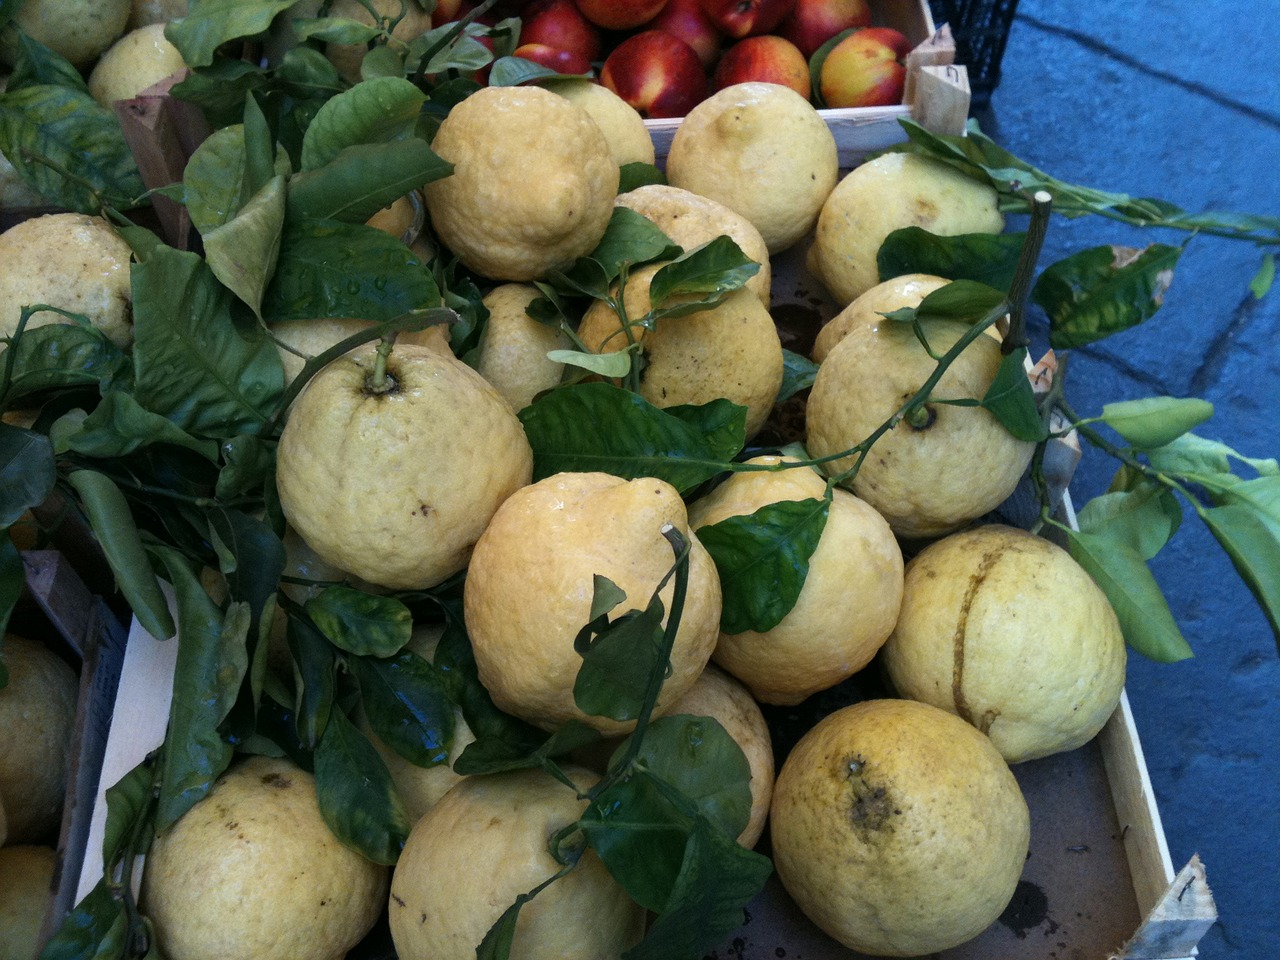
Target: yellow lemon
(622, 125)
(514, 346)
(1004, 629)
(26, 893)
(77, 29)
(868, 309)
(137, 60)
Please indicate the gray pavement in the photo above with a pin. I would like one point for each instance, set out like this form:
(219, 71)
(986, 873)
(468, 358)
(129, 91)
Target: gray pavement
(1181, 101)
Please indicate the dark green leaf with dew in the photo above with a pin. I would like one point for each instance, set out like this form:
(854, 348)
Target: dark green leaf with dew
(407, 706)
(361, 623)
(363, 179)
(376, 111)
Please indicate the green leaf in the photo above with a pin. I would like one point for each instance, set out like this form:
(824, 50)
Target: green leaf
(360, 622)
(119, 426)
(13, 581)
(191, 364)
(112, 523)
(36, 65)
(407, 706)
(1155, 421)
(1103, 290)
(60, 355)
(316, 671)
(1265, 277)
(717, 879)
(1143, 517)
(798, 373)
(513, 71)
(499, 753)
(613, 365)
(221, 89)
(259, 148)
(631, 239)
(1122, 573)
(95, 930)
(211, 665)
(1253, 545)
(500, 937)
(618, 656)
(75, 134)
(248, 462)
(963, 300)
(696, 756)
(332, 269)
(1205, 460)
(211, 23)
(706, 274)
(363, 179)
(633, 176)
(254, 558)
(334, 30)
(1013, 401)
(376, 111)
(129, 804)
(242, 253)
(763, 560)
(357, 798)
(27, 472)
(987, 258)
(597, 426)
(213, 181)
(586, 277)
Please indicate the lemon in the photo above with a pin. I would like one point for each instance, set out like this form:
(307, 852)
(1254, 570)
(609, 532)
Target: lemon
(868, 309)
(37, 717)
(892, 191)
(760, 149)
(77, 29)
(720, 696)
(395, 486)
(26, 893)
(514, 346)
(485, 844)
(622, 125)
(532, 186)
(1004, 629)
(71, 261)
(252, 870)
(691, 220)
(926, 477)
(730, 351)
(139, 59)
(529, 588)
(850, 597)
(898, 829)
(402, 218)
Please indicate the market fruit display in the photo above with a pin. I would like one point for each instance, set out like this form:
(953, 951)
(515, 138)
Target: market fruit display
(898, 828)
(606, 487)
(971, 640)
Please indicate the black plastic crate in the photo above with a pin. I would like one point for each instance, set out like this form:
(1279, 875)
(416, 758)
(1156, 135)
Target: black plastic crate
(980, 29)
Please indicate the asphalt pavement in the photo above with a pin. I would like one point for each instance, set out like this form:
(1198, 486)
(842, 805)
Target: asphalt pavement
(1180, 101)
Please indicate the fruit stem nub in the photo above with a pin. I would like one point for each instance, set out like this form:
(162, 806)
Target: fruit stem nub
(378, 381)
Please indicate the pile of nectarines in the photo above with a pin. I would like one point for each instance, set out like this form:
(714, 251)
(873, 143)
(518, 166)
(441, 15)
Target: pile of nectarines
(665, 56)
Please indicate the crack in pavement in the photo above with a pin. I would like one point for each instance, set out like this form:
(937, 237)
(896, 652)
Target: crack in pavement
(1091, 43)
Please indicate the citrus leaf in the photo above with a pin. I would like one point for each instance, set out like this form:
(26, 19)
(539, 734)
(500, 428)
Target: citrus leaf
(499, 754)
(213, 181)
(613, 365)
(13, 581)
(1206, 461)
(360, 622)
(316, 671)
(633, 176)
(1253, 546)
(1013, 401)
(987, 258)
(253, 559)
(407, 706)
(375, 111)
(128, 805)
(707, 273)
(242, 252)
(96, 929)
(35, 65)
(763, 560)
(1155, 421)
(119, 426)
(1261, 283)
(363, 179)
(631, 239)
(1103, 290)
(112, 523)
(27, 472)
(334, 29)
(513, 71)
(211, 23)
(1122, 573)
(617, 659)
(357, 797)
(798, 373)
(60, 355)
(597, 426)
(1144, 516)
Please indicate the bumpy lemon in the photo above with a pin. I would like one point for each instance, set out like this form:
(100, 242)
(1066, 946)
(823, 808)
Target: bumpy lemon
(850, 597)
(622, 125)
(530, 585)
(137, 60)
(730, 351)
(1005, 630)
(252, 870)
(532, 186)
(720, 696)
(37, 714)
(77, 29)
(930, 476)
(691, 220)
(71, 261)
(514, 346)
(898, 829)
(394, 486)
(26, 892)
(485, 844)
(892, 191)
(868, 309)
(760, 149)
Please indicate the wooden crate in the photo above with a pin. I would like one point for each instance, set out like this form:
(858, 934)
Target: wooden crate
(937, 91)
